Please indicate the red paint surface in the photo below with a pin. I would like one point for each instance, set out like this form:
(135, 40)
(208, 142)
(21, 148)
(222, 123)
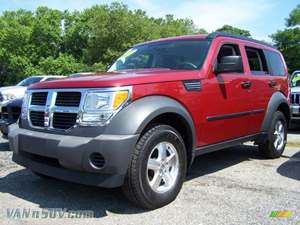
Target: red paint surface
(221, 94)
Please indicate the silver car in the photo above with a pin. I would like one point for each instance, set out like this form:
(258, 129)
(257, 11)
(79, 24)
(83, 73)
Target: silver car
(295, 95)
(10, 93)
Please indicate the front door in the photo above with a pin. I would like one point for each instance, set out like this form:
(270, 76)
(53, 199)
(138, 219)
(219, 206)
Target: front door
(228, 115)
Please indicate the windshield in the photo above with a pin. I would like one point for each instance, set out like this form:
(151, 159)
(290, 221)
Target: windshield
(30, 80)
(296, 80)
(176, 55)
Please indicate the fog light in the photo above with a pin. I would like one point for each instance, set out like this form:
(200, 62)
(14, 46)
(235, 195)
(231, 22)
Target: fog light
(97, 160)
(96, 117)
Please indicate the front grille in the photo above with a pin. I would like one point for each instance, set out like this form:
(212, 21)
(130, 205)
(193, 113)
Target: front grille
(54, 108)
(68, 99)
(37, 118)
(39, 98)
(11, 113)
(296, 98)
(64, 120)
(16, 112)
(4, 113)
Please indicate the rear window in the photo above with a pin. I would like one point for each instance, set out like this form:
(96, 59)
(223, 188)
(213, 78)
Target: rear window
(276, 64)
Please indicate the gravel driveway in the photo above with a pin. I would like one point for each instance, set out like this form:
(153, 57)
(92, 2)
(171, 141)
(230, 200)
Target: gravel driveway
(233, 186)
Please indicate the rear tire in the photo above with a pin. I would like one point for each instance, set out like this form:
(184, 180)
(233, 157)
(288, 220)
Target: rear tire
(274, 144)
(157, 169)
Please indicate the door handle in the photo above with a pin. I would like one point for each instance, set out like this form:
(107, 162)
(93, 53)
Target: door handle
(246, 84)
(272, 83)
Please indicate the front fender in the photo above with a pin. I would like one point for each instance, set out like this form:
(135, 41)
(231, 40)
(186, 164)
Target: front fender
(137, 115)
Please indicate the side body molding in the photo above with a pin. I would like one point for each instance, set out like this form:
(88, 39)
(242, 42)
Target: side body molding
(137, 115)
(276, 100)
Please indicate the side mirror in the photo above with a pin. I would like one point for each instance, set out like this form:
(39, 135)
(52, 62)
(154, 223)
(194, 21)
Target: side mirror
(229, 64)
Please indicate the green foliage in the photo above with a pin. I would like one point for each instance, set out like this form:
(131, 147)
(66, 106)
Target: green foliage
(49, 41)
(294, 18)
(288, 40)
(234, 30)
(63, 64)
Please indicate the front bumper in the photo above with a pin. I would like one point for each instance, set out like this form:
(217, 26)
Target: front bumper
(295, 111)
(68, 157)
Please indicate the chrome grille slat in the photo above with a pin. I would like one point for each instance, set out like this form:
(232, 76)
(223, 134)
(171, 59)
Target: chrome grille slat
(69, 99)
(295, 98)
(39, 98)
(37, 118)
(64, 120)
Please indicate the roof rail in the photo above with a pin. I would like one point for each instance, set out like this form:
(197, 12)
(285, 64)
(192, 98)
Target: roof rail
(226, 34)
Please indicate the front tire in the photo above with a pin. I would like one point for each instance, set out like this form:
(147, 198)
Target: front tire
(157, 169)
(276, 139)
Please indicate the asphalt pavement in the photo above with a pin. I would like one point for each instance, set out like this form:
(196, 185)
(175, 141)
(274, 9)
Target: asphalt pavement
(232, 186)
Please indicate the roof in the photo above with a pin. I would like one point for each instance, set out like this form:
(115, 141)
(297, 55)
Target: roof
(210, 36)
(240, 37)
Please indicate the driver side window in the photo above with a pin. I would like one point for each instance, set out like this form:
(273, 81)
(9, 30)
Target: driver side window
(228, 50)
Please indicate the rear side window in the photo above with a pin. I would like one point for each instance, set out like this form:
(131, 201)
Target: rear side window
(257, 61)
(276, 65)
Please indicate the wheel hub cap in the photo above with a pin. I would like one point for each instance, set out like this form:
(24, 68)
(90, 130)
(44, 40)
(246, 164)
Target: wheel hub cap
(162, 167)
(279, 135)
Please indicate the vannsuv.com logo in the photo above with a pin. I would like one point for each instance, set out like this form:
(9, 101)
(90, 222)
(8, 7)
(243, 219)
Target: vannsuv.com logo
(47, 213)
(281, 214)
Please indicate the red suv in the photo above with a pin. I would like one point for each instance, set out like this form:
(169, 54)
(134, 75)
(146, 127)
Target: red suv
(161, 104)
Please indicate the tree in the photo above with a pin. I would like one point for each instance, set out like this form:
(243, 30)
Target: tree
(288, 40)
(50, 41)
(234, 30)
(294, 18)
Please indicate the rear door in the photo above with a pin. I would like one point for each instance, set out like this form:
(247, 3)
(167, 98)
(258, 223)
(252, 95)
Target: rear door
(258, 71)
(267, 77)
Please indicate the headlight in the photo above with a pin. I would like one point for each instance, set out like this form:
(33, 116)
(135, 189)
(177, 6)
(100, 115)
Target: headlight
(100, 106)
(25, 103)
(8, 96)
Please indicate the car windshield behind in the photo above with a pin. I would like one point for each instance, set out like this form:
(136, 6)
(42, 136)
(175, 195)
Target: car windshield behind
(30, 80)
(176, 55)
(296, 80)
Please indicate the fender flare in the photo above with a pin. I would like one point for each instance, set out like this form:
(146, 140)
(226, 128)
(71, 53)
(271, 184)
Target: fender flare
(138, 114)
(275, 101)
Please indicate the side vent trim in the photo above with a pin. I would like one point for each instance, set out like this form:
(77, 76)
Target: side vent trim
(192, 85)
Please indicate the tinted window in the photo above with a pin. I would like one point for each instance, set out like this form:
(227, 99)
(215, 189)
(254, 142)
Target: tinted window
(296, 80)
(177, 55)
(276, 64)
(29, 81)
(51, 78)
(228, 50)
(257, 61)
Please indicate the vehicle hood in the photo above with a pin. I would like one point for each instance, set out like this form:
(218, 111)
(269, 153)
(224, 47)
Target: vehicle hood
(124, 78)
(11, 88)
(295, 89)
(18, 91)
